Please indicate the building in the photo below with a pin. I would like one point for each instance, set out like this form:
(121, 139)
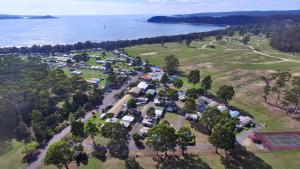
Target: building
(144, 131)
(159, 111)
(76, 73)
(244, 121)
(151, 92)
(222, 108)
(234, 113)
(192, 117)
(135, 91)
(129, 119)
(119, 108)
(143, 85)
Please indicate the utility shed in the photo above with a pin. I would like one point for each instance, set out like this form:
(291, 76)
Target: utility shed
(143, 86)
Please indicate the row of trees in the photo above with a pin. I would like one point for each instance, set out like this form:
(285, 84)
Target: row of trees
(108, 45)
(286, 89)
(63, 152)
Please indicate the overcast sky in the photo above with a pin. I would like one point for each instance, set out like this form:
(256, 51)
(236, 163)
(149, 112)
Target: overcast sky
(128, 7)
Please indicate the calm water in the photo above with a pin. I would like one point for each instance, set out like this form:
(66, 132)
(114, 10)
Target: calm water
(71, 29)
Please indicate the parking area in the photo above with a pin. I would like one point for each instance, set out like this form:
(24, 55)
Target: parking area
(280, 140)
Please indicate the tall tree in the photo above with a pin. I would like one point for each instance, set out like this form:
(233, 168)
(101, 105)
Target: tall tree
(206, 83)
(226, 93)
(178, 83)
(77, 128)
(188, 42)
(189, 106)
(91, 129)
(172, 94)
(210, 117)
(162, 138)
(164, 79)
(59, 154)
(171, 64)
(281, 78)
(267, 87)
(194, 76)
(292, 95)
(184, 138)
(223, 135)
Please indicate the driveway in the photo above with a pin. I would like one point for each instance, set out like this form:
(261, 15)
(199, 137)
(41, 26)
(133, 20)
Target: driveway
(108, 100)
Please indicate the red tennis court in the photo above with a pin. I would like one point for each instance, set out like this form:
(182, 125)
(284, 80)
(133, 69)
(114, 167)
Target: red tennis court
(280, 140)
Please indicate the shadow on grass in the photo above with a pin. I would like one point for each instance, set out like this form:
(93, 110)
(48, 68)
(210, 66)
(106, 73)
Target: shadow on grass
(175, 162)
(5, 146)
(241, 158)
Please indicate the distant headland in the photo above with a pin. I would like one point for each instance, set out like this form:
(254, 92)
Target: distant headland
(4, 16)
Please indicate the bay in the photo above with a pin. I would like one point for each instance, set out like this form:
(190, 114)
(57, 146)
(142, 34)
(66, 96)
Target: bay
(72, 29)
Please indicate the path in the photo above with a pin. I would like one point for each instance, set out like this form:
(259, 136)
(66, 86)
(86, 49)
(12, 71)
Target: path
(108, 100)
(276, 57)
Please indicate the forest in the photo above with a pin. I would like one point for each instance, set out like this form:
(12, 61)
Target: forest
(33, 95)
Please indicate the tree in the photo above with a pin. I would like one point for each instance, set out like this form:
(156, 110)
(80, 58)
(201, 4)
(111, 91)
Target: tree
(223, 135)
(22, 132)
(210, 117)
(91, 129)
(151, 112)
(131, 163)
(147, 68)
(111, 80)
(246, 39)
(59, 154)
(164, 79)
(192, 93)
(188, 42)
(206, 83)
(292, 95)
(162, 138)
(281, 78)
(194, 76)
(226, 93)
(171, 64)
(219, 37)
(172, 94)
(184, 138)
(131, 104)
(189, 106)
(178, 83)
(136, 137)
(267, 87)
(77, 129)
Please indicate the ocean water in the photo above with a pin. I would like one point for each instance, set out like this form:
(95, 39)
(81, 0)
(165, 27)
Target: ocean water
(72, 29)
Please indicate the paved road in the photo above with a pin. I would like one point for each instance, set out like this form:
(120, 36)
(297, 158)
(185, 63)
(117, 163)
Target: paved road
(108, 100)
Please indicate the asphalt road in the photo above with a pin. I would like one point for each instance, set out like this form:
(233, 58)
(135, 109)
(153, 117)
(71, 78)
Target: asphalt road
(108, 100)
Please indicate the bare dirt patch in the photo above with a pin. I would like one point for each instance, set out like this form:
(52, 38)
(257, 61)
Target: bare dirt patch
(149, 54)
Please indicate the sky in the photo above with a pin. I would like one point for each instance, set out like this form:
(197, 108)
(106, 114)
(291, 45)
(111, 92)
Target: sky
(140, 7)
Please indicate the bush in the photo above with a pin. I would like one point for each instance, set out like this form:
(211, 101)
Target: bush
(131, 163)
(136, 137)
(31, 152)
(99, 152)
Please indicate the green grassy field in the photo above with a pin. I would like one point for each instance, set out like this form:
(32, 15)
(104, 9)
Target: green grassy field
(232, 63)
(11, 155)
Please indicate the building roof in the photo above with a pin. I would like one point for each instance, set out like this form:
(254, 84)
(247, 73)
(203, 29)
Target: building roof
(135, 90)
(143, 85)
(234, 113)
(117, 108)
(151, 91)
(128, 118)
(125, 123)
(222, 108)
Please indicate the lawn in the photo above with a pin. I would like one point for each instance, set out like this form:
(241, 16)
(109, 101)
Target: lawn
(11, 155)
(235, 64)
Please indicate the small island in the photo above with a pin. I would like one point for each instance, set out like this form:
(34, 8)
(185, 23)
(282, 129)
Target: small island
(4, 16)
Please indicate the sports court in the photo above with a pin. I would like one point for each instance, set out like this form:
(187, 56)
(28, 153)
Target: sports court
(280, 140)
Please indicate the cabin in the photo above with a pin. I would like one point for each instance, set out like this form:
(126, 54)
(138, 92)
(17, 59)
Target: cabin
(143, 85)
(192, 117)
(151, 92)
(244, 121)
(120, 107)
(159, 111)
(135, 91)
(234, 113)
(222, 108)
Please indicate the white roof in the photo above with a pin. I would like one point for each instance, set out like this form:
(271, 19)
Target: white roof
(213, 104)
(159, 111)
(245, 119)
(222, 108)
(125, 123)
(112, 120)
(144, 130)
(128, 118)
(194, 116)
(143, 85)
